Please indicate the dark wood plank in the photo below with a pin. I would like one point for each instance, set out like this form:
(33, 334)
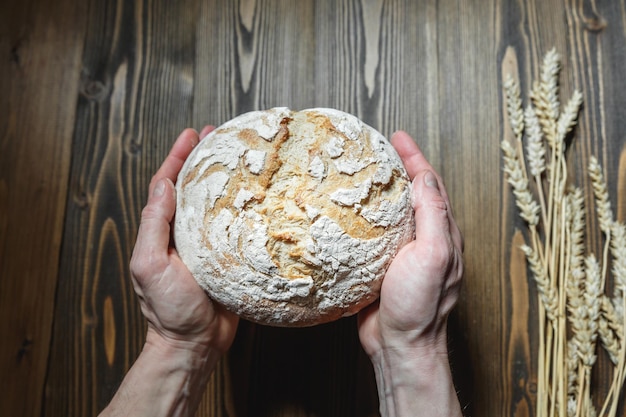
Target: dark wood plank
(136, 96)
(150, 68)
(39, 70)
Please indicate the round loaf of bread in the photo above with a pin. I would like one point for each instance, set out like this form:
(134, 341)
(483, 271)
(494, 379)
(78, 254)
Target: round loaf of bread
(291, 218)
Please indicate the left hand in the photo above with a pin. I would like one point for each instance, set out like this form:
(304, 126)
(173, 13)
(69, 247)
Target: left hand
(178, 311)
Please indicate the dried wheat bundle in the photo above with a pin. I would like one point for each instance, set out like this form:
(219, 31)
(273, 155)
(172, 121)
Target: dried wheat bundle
(575, 314)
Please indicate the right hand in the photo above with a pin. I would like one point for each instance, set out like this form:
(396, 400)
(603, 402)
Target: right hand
(422, 283)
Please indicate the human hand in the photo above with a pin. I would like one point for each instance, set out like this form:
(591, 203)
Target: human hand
(187, 333)
(178, 311)
(404, 333)
(422, 283)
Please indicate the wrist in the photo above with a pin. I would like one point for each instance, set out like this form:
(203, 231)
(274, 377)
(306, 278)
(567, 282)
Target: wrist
(190, 361)
(168, 379)
(413, 368)
(162, 344)
(176, 358)
(415, 381)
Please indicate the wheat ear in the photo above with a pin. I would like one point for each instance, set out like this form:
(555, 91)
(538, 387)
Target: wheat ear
(535, 148)
(567, 120)
(536, 151)
(592, 296)
(550, 82)
(603, 204)
(544, 96)
(547, 293)
(574, 311)
(514, 106)
(618, 252)
(529, 208)
(610, 329)
(573, 360)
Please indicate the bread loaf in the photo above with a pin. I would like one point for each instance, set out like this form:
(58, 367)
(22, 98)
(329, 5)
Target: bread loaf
(291, 218)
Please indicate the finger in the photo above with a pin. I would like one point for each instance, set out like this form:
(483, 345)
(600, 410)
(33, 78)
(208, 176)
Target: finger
(151, 250)
(206, 130)
(414, 161)
(174, 161)
(412, 157)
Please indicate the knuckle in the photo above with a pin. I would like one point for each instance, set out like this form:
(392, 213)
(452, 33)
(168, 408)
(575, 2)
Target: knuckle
(137, 266)
(441, 254)
(434, 203)
(145, 267)
(439, 203)
(150, 211)
(446, 258)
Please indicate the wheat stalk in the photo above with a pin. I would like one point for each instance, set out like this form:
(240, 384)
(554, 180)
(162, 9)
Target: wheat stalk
(574, 310)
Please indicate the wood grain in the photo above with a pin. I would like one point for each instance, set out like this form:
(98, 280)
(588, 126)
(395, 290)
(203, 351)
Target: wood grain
(38, 74)
(100, 89)
(136, 93)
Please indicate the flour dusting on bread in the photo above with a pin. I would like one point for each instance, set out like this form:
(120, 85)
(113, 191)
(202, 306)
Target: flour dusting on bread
(291, 218)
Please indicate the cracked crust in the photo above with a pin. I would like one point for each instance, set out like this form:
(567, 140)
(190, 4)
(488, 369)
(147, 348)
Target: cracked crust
(291, 218)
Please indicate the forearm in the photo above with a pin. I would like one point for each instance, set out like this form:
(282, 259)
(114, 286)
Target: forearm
(164, 381)
(415, 385)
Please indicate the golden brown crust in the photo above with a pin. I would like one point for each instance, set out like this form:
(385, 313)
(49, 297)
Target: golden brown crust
(299, 215)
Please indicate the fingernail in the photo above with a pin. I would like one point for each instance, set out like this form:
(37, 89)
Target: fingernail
(205, 131)
(430, 180)
(195, 139)
(159, 188)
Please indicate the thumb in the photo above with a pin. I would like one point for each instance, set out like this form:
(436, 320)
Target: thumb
(153, 238)
(431, 211)
(427, 193)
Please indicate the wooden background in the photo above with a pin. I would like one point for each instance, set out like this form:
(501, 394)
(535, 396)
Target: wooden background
(93, 93)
